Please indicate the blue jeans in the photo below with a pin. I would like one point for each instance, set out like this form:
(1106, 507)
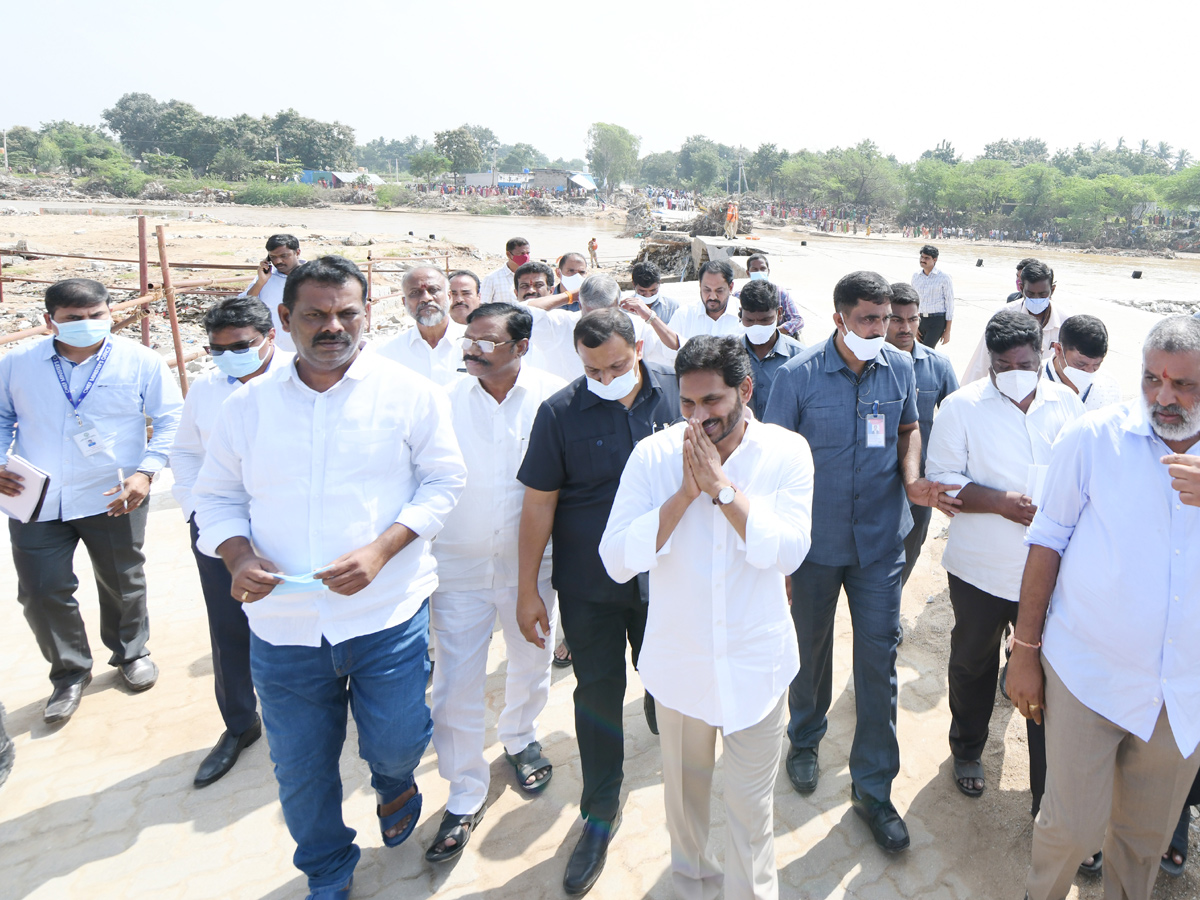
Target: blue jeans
(304, 693)
(873, 594)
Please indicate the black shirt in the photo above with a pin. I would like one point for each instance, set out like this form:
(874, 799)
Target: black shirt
(578, 447)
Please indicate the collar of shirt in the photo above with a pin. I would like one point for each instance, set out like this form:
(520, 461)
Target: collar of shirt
(1124, 660)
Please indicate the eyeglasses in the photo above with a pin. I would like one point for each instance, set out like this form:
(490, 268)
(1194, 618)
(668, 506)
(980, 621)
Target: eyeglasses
(486, 346)
(239, 347)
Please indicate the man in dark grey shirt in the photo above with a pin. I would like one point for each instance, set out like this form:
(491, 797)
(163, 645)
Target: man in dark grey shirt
(854, 398)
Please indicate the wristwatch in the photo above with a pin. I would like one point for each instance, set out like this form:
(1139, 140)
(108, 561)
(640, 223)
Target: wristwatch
(725, 496)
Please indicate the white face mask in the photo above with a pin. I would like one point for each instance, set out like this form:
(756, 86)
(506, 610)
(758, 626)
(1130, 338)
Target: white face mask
(619, 387)
(1081, 379)
(1017, 384)
(760, 276)
(1036, 305)
(864, 349)
(759, 334)
(572, 283)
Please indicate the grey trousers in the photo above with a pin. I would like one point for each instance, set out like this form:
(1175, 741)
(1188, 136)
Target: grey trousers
(1100, 776)
(46, 584)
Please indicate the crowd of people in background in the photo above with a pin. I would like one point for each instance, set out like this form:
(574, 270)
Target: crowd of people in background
(677, 478)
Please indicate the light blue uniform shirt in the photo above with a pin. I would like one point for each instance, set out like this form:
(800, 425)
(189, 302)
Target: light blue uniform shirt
(1124, 620)
(134, 383)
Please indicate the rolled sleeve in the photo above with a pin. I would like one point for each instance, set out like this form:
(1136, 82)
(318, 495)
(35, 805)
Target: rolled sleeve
(946, 461)
(779, 527)
(8, 411)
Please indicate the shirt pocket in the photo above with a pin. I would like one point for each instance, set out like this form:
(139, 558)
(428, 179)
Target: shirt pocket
(112, 400)
(890, 410)
(826, 426)
(367, 452)
(596, 458)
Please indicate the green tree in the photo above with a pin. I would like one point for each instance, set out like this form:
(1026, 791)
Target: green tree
(659, 169)
(1182, 191)
(134, 119)
(460, 147)
(1183, 159)
(48, 156)
(944, 152)
(802, 177)
(520, 156)
(231, 163)
(927, 183)
(863, 176)
(424, 164)
(164, 164)
(486, 139)
(700, 163)
(763, 166)
(612, 153)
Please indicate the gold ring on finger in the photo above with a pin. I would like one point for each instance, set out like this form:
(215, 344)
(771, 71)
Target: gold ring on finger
(245, 596)
(1034, 706)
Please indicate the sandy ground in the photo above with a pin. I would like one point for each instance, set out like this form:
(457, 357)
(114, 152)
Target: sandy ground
(103, 806)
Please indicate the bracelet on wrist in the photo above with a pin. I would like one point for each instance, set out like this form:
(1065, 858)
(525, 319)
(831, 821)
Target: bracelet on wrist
(1014, 640)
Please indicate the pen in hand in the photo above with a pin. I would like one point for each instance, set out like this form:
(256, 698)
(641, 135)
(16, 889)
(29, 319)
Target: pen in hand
(121, 487)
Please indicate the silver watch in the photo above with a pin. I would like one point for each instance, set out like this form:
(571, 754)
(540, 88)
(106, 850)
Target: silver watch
(725, 495)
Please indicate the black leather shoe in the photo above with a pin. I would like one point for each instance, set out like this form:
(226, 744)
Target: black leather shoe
(803, 769)
(222, 757)
(651, 713)
(587, 859)
(64, 700)
(139, 674)
(888, 829)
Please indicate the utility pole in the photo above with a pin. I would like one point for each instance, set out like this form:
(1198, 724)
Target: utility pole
(739, 173)
(6, 168)
(276, 154)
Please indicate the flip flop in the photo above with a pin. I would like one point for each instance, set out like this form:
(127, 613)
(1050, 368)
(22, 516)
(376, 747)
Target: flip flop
(563, 662)
(1168, 864)
(459, 827)
(528, 763)
(1096, 867)
(387, 823)
(968, 769)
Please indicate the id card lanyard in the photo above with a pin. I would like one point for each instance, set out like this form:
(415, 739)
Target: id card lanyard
(87, 387)
(876, 427)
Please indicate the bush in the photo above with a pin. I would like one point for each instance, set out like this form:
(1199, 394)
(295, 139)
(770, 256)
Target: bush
(395, 195)
(494, 209)
(267, 193)
(118, 178)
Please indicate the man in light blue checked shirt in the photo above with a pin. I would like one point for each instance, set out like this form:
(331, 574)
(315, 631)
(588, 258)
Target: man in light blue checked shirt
(937, 298)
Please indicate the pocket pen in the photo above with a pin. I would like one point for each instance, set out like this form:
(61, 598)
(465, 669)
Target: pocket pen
(121, 487)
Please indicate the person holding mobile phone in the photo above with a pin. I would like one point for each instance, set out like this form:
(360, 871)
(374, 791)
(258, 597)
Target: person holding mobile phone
(283, 255)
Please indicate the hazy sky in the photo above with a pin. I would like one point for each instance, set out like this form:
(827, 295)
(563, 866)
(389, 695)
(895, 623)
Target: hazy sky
(792, 72)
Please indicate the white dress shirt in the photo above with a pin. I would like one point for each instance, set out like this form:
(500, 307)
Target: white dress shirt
(552, 346)
(981, 437)
(936, 291)
(134, 383)
(692, 319)
(309, 476)
(205, 396)
(1124, 620)
(980, 360)
(272, 295)
(477, 547)
(498, 287)
(720, 645)
(1103, 391)
(442, 364)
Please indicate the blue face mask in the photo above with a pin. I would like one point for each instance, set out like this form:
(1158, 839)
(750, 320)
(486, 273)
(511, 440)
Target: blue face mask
(760, 276)
(239, 363)
(83, 333)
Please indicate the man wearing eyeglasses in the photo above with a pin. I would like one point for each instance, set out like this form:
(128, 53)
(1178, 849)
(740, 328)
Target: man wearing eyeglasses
(493, 407)
(283, 255)
(241, 339)
(431, 348)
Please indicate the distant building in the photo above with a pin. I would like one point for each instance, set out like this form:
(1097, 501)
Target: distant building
(561, 181)
(502, 180)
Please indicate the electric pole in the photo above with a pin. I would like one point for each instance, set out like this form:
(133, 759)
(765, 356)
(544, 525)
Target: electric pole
(276, 154)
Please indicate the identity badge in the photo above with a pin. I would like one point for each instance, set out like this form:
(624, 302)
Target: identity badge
(876, 436)
(90, 442)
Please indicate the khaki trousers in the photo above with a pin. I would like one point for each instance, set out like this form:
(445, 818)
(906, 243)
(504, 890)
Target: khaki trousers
(1100, 776)
(752, 758)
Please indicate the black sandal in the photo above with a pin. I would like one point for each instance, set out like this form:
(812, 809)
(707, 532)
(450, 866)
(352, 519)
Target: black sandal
(528, 763)
(563, 662)
(1168, 864)
(1096, 867)
(970, 770)
(453, 826)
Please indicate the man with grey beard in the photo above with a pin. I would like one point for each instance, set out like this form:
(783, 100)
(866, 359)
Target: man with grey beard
(431, 348)
(1113, 657)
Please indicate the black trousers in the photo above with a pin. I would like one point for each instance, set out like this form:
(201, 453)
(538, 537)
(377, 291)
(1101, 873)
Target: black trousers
(46, 585)
(931, 328)
(979, 622)
(229, 635)
(597, 634)
(915, 539)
